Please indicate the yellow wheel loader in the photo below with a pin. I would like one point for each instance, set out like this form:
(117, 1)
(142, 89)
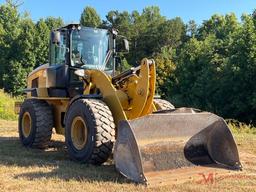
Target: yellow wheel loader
(100, 112)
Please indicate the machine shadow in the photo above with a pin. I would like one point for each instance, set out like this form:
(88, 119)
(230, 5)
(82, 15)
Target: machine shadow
(55, 159)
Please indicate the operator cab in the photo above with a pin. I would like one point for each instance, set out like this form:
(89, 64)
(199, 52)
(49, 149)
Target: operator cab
(91, 49)
(73, 47)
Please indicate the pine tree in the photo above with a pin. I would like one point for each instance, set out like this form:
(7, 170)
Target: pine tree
(90, 18)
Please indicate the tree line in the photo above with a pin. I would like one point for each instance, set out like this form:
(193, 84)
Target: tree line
(211, 66)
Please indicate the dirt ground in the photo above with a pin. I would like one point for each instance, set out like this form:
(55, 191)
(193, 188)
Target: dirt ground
(24, 170)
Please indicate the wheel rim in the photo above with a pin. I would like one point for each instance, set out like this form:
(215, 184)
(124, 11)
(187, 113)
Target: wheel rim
(79, 133)
(26, 124)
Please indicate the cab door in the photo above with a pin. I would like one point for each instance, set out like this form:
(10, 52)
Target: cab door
(57, 73)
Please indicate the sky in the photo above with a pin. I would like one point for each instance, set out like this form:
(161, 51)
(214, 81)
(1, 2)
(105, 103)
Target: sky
(198, 10)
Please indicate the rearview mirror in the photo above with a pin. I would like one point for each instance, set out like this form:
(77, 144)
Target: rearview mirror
(123, 45)
(126, 45)
(55, 37)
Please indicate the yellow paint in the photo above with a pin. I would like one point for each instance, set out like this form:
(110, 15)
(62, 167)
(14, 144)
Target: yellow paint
(130, 99)
(87, 88)
(26, 124)
(123, 98)
(79, 133)
(17, 105)
(134, 98)
(42, 81)
(140, 92)
(149, 106)
(109, 93)
(59, 106)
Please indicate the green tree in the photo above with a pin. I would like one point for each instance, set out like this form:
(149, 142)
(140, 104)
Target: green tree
(53, 22)
(146, 42)
(41, 38)
(9, 22)
(218, 25)
(165, 68)
(171, 33)
(25, 44)
(216, 69)
(41, 42)
(191, 28)
(22, 45)
(240, 73)
(23, 61)
(90, 17)
(140, 29)
(120, 21)
(150, 35)
(15, 80)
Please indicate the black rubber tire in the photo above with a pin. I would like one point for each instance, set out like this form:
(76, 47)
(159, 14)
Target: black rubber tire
(162, 104)
(41, 123)
(101, 131)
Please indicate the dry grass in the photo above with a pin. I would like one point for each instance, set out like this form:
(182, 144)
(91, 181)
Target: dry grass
(30, 170)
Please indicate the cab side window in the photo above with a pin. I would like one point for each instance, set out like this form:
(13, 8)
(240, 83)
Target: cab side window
(58, 51)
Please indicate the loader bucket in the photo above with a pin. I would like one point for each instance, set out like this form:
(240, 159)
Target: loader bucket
(174, 139)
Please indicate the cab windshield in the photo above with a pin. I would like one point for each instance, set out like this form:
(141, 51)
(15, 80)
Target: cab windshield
(90, 49)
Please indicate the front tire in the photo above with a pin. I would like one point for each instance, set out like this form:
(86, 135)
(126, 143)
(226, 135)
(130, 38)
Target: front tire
(35, 123)
(89, 131)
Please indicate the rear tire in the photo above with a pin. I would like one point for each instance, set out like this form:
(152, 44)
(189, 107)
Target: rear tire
(162, 104)
(35, 123)
(89, 131)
